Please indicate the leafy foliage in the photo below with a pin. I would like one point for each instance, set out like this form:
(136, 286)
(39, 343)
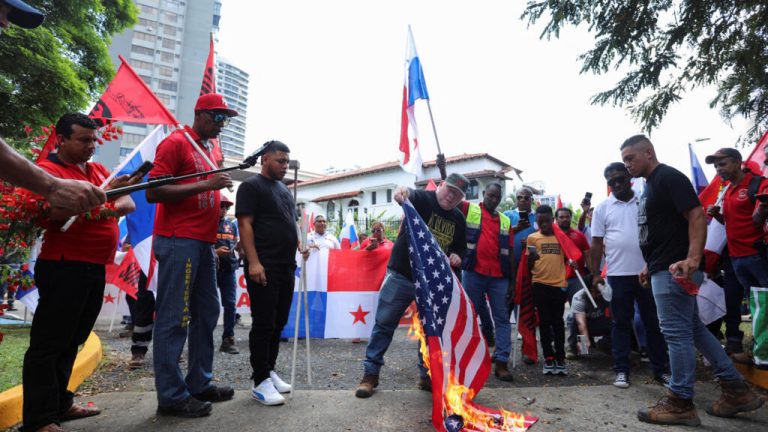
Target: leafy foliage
(60, 66)
(669, 47)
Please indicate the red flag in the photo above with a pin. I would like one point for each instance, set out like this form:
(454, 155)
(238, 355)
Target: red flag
(209, 86)
(526, 320)
(431, 186)
(559, 203)
(127, 275)
(128, 98)
(569, 248)
(50, 145)
(758, 153)
(311, 223)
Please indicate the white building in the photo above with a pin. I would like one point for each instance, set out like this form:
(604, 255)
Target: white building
(232, 83)
(367, 192)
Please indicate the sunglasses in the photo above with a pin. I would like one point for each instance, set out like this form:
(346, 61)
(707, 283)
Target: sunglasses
(377, 230)
(523, 198)
(617, 181)
(219, 117)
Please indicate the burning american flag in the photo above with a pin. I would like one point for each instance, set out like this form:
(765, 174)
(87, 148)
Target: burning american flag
(456, 353)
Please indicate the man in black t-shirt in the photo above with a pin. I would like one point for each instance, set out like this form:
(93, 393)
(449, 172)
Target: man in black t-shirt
(672, 230)
(447, 224)
(266, 216)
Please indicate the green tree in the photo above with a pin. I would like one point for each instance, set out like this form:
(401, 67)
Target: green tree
(60, 66)
(669, 47)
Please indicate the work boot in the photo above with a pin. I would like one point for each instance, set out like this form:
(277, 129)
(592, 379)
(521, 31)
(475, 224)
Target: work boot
(425, 383)
(137, 361)
(228, 345)
(502, 371)
(744, 357)
(736, 397)
(671, 410)
(733, 347)
(127, 332)
(366, 386)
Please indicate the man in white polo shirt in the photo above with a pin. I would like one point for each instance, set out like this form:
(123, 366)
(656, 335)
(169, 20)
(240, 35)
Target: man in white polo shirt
(615, 232)
(319, 238)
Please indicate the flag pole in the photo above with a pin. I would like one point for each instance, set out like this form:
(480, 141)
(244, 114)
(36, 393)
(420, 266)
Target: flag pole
(440, 161)
(516, 313)
(589, 294)
(114, 312)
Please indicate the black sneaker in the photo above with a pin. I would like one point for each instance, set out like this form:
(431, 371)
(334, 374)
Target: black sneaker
(189, 408)
(549, 366)
(216, 394)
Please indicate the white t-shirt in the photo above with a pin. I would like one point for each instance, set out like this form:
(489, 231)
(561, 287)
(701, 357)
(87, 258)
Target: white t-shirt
(616, 222)
(325, 241)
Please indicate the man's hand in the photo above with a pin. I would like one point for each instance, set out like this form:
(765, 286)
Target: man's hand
(585, 206)
(219, 181)
(305, 253)
(222, 251)
(373, 244)
(122, 181)
(643, 276)
(522, 224)
(401, 194)
(533, 254)
(684, 268)
(75, 195)
(597, 280)
(455, 260)
(257, 274)
(713, 211)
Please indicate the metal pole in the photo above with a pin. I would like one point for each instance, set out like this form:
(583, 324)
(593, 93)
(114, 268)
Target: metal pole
(440, 156)
(516, 312)
(589, 294)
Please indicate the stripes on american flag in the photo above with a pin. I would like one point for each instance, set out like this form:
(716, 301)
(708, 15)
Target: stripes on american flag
(459, 361)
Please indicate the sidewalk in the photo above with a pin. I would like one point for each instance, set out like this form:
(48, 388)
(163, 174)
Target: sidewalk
(593, 408)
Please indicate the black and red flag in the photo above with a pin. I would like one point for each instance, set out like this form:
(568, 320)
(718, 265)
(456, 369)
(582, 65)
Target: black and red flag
(209, 86)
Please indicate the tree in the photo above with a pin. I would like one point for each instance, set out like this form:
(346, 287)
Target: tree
(60, 66)
(669, 47)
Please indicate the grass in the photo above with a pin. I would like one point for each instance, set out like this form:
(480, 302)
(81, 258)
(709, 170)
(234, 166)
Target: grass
(12, 349)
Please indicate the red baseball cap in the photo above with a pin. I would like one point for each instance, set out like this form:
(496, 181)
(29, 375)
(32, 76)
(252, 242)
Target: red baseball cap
(214, 102)
(225, 202)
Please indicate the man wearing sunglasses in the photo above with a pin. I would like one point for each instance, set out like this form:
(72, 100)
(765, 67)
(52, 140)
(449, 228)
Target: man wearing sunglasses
(186, 227)
(615, 234)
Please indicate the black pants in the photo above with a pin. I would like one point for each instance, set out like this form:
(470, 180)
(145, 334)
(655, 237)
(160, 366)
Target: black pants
(71, 294)
(143, 317)
(270, 306)
(550, 303)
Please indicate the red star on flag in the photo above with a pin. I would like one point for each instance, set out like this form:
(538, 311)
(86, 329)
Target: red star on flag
(109, 299)
(359, 315)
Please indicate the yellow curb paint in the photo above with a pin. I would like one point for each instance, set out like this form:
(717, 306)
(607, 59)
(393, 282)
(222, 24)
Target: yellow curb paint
(754, 375)
(86, 362)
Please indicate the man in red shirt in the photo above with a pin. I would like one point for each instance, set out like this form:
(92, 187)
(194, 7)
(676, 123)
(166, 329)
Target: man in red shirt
(69, 275)
(186, 225)
(487, 271)
(743, 228)
(564, 216)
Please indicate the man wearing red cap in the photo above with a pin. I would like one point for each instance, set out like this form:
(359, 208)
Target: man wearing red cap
(226, 265)
(186, 224)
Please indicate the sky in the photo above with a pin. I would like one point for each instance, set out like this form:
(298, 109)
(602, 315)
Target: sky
(326, 78)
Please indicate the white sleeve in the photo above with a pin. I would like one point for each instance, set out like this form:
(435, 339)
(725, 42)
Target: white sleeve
(598, 220)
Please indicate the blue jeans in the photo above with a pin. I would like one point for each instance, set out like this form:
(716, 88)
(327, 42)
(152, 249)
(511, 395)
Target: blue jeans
(626, 291)
(477, 286)
(397, 292)
(751, 271)
(228, 288)
(187, 305)
(682, 329)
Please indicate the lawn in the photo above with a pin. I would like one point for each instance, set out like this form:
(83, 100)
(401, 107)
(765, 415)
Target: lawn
(12, 349)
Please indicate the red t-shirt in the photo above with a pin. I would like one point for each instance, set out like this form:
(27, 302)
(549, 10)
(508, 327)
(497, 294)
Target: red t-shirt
(487, 257)
(383, 244)
(737, 212)
(92, 241)
(197, 216)
(580, 240)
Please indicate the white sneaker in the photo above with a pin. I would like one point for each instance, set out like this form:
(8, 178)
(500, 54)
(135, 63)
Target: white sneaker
(267, 394)
(280, 385)
(621, 381)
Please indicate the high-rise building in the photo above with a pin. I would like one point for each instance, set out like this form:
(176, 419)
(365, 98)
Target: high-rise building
(232, 83)
(168, 49)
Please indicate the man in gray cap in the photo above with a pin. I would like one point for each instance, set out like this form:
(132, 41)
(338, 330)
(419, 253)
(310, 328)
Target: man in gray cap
(73, 195)
(447, 224)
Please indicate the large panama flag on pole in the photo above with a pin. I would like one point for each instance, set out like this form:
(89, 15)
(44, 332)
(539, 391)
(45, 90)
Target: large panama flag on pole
(453, 347)
(698, 178)
(414, 88)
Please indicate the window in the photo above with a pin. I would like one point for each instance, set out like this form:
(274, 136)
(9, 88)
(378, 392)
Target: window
(373, 198)
(169, 44)
(330, 210)
(142, 50)
(169, 30)
(164, 98)
(144, 36)
(353, 205)
(147, 79)
(167, 85)
(149, 10)
(473, 192)
(166, 57)
(146, 22)
(389, 195)
(171, 17)
(131, 140)
(165, 71)
(139, 64)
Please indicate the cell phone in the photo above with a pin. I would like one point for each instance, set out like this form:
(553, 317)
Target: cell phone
(142, 170)
(588, 197)
(531, 250)
(762, 197)
(524, 215)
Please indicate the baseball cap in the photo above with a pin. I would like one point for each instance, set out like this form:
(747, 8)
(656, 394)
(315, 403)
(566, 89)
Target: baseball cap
(458, 182)
(214, 102)
(225, 202)
(23, 15)
(723, 153)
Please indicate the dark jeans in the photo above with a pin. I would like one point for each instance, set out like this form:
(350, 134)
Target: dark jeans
(71, 294)
(627, 290)
(734, 295)
(228, 291)
(550, 302)
(143, 316)
(270, 305)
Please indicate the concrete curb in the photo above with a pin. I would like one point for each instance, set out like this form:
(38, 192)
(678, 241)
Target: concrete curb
(86, 362)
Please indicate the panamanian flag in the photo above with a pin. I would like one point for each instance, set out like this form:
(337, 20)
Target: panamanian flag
(343, 292)
(414, 88)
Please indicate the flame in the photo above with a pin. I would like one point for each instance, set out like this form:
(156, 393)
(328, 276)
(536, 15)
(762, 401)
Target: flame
(458, 400)
(416, 332)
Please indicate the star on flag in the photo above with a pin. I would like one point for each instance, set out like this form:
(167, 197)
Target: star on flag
(109, 299)
(359, 315)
